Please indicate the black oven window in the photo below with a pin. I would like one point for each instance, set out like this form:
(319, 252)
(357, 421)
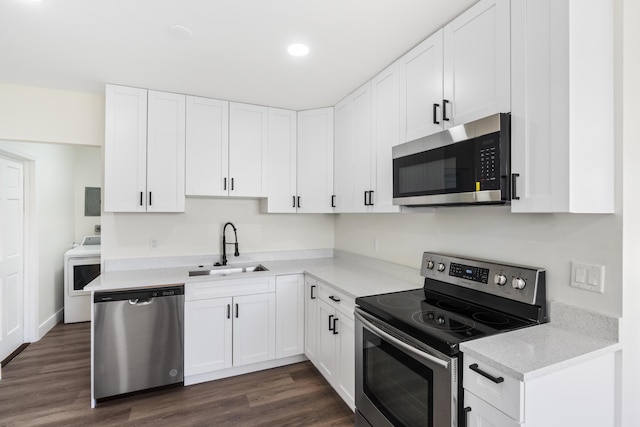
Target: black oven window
(399, 386)
(83, 274)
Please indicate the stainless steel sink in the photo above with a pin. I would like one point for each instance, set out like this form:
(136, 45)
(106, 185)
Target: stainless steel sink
(227, 270)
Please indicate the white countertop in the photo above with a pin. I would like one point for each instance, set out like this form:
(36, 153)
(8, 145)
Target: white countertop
(536, 351)
(351, 279)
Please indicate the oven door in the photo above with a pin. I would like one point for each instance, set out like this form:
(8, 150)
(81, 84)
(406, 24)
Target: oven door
(399, 384)
(81, 271)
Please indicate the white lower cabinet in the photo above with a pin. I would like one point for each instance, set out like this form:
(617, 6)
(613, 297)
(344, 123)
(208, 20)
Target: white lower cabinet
(224, 331)
(311, 319)
(289, 315)
(578, 395)
(334, 328)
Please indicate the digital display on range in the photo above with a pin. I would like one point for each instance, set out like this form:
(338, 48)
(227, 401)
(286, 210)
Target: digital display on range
(468, 272)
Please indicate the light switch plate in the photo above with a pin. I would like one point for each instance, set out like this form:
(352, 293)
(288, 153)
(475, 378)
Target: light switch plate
(587, 276)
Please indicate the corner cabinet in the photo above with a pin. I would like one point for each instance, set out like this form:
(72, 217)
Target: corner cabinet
(144, 150)
(333, 337)
(281, 162)
(563, 109)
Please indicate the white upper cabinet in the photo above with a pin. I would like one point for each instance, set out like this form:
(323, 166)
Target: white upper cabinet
(315, 161)
(421, 93)
(385, 134)
(352, 173)
(477, 63)
(144, 150)
(459, 74)
(562, 98)
(207, 153)
(282, 162)
(248, 130)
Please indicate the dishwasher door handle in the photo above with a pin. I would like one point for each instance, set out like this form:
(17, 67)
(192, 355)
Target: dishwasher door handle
(141, 301)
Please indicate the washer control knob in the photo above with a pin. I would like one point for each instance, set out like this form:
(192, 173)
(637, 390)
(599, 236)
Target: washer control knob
(500, 279)
(441, 267)
(430, 264)
(518, 283)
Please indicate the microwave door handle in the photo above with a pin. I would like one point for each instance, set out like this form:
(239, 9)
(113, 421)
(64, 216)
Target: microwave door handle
(420, 354)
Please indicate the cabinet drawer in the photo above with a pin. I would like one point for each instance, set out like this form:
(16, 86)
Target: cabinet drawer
(229, 288)
(479, 413)
(336, 299)
(506, 395)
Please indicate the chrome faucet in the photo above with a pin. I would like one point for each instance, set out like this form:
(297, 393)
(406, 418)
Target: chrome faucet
(224, 242)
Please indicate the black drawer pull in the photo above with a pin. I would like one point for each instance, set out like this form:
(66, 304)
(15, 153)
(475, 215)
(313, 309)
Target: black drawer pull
(475, 368)
(334, 299)
(333, 201)
(237, 311)
(444, 110)
(335, 330)
(228, 311)
(435, 114)
(331, 323)
(313, 288)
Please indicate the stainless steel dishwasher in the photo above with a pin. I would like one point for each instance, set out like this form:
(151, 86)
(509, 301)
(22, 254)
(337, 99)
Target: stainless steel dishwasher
(138, 340)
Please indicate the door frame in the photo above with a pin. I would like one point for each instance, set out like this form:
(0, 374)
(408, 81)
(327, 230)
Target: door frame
(30, 270)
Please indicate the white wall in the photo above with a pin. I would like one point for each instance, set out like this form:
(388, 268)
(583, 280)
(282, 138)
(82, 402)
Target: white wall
(54, 228)
(198, 231)
(47, 115)
(88, 173)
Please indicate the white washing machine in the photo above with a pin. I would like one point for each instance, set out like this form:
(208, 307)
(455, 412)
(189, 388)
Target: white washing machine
(81, 266)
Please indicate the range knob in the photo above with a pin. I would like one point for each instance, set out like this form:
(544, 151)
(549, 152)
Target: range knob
(518, 283)
(441, 267)
(500, 279)
(430, 264)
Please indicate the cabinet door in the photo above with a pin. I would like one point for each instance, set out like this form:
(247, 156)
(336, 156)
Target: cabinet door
(281, 184)
(311, 319)
(207, 145)
(477, 74)
(254, 325)
(327, 363)
(362, 148)
(125, 154)
(346, 356)
(343, 156)
(165, 152)
(247, 150)
(315, 160)
(289, 315)
(481, 414)
(386, 134)
(207, 335)
(421, 90)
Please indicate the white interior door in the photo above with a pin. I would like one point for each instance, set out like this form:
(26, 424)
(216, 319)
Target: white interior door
(11, 256)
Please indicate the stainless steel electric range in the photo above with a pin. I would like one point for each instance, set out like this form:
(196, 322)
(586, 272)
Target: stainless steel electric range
(408, 362)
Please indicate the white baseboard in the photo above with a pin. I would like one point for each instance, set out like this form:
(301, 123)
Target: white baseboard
(52, 321)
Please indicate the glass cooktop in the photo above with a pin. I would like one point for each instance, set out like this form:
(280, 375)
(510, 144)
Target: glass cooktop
(438, 320)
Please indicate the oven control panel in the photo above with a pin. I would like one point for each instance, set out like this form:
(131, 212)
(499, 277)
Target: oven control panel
(519, 283)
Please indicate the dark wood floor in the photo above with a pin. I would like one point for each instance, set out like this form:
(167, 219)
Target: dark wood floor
(49, 384)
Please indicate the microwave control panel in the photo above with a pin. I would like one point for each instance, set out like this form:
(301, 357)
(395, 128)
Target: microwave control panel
(488, 162)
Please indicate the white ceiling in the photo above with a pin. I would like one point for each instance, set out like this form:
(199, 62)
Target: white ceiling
(237, 52)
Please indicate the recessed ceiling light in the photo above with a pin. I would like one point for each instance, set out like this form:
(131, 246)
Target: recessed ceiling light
(298, 49)
(180, 32)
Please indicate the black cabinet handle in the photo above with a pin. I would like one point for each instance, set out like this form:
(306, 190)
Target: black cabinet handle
(514, 194)
(294, 201)
(141, 195)
(313, 288)
(490, 377)
(331, 316)
(365, 198)
(371, 198)
(228, 311)
(298, 201)
(333, 201)
(237, 311)
(334, 299)
(225, 184)
(231, 184)
(435, 114)
(149, 198)
(444, 110)
(335, 330)
(466, 415)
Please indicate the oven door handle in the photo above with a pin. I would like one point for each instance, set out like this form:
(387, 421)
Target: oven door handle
(395, 341)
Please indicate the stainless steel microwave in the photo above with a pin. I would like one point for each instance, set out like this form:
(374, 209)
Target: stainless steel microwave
(463, 165)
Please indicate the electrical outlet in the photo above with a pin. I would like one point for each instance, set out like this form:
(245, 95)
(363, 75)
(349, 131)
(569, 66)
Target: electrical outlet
(153, 243)
(587, 276)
